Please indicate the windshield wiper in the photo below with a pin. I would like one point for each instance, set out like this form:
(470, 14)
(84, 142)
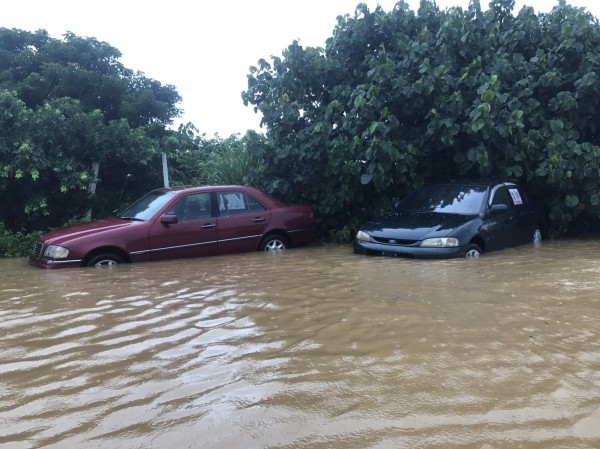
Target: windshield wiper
(131, 218)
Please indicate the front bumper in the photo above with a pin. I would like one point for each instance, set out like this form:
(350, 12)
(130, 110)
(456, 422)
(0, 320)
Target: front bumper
(43, 262)
(362, 247)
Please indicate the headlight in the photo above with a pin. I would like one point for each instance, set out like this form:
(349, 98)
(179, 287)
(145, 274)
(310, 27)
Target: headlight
(56, 252)
(362, 235)
(440, 242)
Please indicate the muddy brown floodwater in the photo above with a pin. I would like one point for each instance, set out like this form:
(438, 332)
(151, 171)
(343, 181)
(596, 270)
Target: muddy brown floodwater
(312, 348)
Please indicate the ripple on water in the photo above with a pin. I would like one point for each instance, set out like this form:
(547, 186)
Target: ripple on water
(316, 347)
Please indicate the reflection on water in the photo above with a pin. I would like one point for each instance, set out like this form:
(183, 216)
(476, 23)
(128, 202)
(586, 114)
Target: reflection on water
(312, 348)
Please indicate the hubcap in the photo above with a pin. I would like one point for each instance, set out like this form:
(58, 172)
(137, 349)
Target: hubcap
(473, 253)
(275, 245)
(105, 263)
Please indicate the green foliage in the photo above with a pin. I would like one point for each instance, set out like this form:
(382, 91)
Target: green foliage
(69, 105)
(219, 161)
(400, 98)
(16, 244)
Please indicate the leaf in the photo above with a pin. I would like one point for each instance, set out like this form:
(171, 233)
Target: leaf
(477, 125)
(517, 171)
(394, 154)
(571, 200)
(472, 154)
(365, 179)
(517, 115)
(587, 80)
(373, 127)
(557, 126)
(484, 108)
(418, 86)
(488, 95)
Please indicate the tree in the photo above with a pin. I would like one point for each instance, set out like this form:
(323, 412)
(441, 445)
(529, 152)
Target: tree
(73, 115)
(400, 98)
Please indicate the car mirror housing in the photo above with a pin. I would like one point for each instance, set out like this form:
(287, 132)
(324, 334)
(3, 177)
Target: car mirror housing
(169, 219)
(497, 209)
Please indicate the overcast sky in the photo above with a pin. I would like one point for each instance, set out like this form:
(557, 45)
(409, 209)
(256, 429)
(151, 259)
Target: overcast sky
(205, 48)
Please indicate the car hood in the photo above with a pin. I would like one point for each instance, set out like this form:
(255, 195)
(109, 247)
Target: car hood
(406, 225)
(62, 235)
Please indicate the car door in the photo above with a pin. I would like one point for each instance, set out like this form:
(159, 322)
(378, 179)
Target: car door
(500, 224)
(241, 223)
(524, 214)
(190, 230)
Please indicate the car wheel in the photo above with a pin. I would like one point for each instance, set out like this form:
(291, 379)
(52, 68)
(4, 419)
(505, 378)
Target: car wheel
(537, 236)
(472, 251)
(105, 260)
(273, 243)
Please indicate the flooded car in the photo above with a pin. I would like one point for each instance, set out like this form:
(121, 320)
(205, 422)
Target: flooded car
(454, 219)
(180, 222)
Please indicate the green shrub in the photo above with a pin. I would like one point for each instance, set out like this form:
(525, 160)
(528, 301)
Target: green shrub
(16, 244)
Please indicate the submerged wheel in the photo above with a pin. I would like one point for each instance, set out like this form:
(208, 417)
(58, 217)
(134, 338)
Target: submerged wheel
(104, 260)
(537, 236)
(272, 243)
(472, 251)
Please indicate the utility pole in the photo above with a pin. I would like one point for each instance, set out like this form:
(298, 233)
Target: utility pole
(165, 170)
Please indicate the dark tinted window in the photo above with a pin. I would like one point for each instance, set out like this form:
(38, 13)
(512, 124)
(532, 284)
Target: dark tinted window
(447, 198)
(501, 197)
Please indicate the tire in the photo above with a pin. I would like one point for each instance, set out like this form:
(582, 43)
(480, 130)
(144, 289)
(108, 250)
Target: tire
(273, 243)
(473, 251)
(537, 237)
(105, 260)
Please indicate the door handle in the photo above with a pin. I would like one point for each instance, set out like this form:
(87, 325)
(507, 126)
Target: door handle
(209, 226)
(258, 219)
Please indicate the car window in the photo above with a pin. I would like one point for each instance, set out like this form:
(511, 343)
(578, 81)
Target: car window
(500, 196)
(237, 203)
(144, 208)
(446, 198)
(508, 194)
(254, 206)
(517, 195)
(192, 207)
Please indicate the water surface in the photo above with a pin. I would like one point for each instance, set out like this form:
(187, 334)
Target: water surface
(312, 348)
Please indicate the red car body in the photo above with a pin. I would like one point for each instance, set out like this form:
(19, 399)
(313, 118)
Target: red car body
(180, 222)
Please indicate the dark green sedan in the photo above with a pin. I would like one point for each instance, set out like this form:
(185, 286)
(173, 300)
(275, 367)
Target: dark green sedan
(454, 219)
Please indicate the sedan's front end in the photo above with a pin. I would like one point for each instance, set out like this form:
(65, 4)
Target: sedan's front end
(46, 255)
(70, 246)
(432, 247)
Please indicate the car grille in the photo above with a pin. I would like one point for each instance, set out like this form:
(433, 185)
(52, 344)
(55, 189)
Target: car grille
(37, 249)
(399, 242)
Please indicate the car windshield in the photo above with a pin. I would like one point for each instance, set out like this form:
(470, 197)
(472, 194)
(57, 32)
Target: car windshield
(446, 198)
(144, 208)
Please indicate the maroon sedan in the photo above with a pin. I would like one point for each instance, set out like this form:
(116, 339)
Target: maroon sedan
(179, 222)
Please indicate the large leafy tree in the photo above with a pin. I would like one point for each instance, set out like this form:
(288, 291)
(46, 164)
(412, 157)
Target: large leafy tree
(72, 116)
(40, 68)
(399, 98)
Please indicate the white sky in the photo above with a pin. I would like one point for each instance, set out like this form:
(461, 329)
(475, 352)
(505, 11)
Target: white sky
(205, 48)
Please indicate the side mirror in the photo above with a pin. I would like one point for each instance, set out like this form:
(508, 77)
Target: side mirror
(169, 219)
(497, 209)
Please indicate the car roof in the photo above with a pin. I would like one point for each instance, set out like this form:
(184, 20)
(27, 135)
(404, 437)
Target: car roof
(256, 193)
(203, 188)
(473, 181)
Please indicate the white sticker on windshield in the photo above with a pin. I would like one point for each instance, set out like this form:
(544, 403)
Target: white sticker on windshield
(516, 196)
